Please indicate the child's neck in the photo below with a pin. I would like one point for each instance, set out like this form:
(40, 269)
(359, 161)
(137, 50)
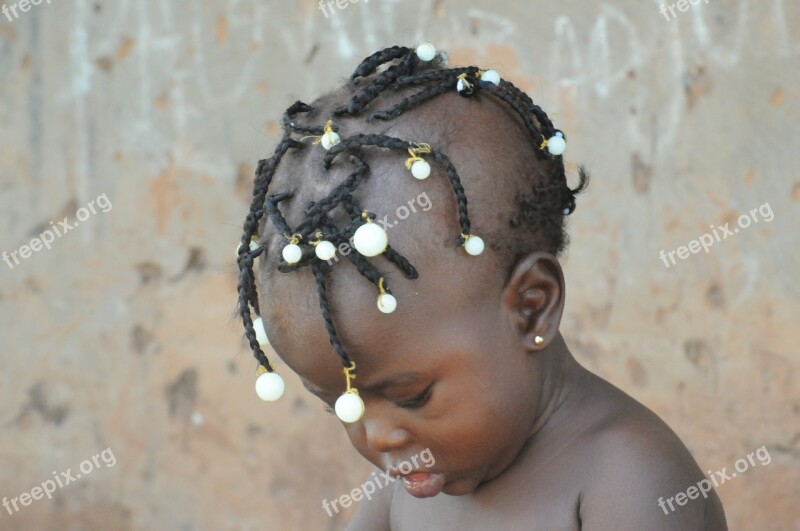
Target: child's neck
(565, 384)
(562, 383)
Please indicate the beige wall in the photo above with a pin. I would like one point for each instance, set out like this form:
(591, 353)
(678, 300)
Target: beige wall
(122, 335)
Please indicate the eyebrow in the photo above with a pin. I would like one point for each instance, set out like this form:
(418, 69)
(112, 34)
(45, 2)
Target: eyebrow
(401, 378)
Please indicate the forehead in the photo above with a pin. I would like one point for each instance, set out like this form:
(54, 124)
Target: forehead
(426, 321)
(431, 308)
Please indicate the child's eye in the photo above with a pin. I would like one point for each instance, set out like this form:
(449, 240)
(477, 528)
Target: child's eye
(418, 401)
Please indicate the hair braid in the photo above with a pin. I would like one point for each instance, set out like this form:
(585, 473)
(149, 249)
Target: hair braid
(319, 274)
(544, 205)
(445, 84)
(372, 91)
(378, 58)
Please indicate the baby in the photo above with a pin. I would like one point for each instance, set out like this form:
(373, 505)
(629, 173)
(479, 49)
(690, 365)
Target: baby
(406, 233)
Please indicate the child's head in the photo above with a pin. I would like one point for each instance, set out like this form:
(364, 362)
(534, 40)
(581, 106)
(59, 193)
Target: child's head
(458, 366)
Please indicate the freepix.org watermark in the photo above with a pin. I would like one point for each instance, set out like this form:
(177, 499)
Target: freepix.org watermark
(371, 486)
(721, 233)
(402, 212)
(324, 5)
(682, 5)
(22, 5)
(46, 238)
(717, 478)
(60, 480)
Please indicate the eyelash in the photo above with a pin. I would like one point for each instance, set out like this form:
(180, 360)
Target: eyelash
(418, 401)
(413, 403)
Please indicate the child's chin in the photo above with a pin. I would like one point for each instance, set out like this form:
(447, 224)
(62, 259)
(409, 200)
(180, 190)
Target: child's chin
(460, 487)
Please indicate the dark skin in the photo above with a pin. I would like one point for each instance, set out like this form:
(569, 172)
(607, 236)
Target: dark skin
(525, 437)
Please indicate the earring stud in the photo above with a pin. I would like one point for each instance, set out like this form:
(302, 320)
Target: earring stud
(538, 340)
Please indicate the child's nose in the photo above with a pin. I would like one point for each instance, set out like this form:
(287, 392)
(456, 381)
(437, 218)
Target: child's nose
(383, 435)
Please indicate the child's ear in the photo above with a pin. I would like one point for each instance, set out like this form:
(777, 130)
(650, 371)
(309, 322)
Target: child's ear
(534, 297)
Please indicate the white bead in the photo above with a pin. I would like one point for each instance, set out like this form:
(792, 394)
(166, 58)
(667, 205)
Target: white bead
(420, 169)
(491, 76)
(349, 407)
(556, 145)
(461, 85)
(261, 333)
(474, 245)
(270, 386)
(426, 51)
(330, 139)
(370, 239)
(253, 246)
(292, 253)
(387, 303)
(325, 250)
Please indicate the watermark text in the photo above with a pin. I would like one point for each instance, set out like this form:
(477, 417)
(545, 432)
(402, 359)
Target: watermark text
(23, 5)
(325, 5)
(402, 212)
(720, 233)
(717, 478)
(371, 486)
(46, 238)
(682, 5)
(61, 479)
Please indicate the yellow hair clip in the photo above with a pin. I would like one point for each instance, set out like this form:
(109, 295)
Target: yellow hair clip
(386, 301)
(556, 144)
(324, 249)
(292, 252)
(328, 138)
(463, 86)
(419, 167)
(349, 407)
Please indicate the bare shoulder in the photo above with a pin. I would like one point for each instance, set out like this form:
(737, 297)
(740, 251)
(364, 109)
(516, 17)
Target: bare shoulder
(640, 475)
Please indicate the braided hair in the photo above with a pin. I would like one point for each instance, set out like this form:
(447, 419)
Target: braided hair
(541, 210)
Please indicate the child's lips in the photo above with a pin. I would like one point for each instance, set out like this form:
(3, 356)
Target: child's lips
(424, 484)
